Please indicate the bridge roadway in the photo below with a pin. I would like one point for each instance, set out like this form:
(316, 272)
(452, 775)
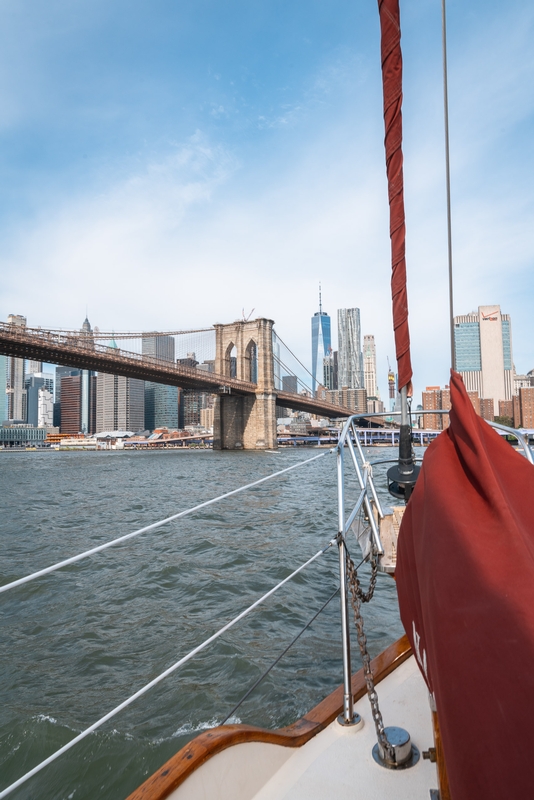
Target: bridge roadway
(82, 352)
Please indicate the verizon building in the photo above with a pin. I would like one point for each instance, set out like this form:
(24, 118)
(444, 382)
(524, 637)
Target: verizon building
(483, 350)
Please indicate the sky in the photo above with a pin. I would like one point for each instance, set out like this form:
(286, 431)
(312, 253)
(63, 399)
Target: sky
(169, 165)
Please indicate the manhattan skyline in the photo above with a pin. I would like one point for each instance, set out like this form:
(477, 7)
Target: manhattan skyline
(245, 162)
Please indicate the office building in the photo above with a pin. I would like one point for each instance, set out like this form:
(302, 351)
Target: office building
(120, 403)
(483, 353)
(330, 370)
(191, 361)
(321, 343)
(87, 384)
(162, 347)
(161, 402)
(369, 367)
(21, 435)
(207, 366)
(526, 406)
(87, 401)
(3, 387)
(290, 384)
(436, 399)
(87, 337)
(78, 403)
(349, 359)
(161, 406)
(521, 382)
(61, 372)
(191, 404)
(16, 393)
(34, 366)
(506, 409)
(375, 406)
(487, 409)
(206, 417)
(355, 399)
(33, 384)
(45, 408)
(432, 402)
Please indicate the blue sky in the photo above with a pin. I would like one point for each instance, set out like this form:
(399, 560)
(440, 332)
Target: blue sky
(169, 164)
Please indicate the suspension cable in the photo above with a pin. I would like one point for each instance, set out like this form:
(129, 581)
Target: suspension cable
(294, 356)
(100, 548)
(160, 677)
(299, 380)
(275, 662)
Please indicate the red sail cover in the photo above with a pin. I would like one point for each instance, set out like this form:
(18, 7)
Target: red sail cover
(465, 578)
(392, 89)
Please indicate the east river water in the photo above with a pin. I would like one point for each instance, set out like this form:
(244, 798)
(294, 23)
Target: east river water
(76, 643)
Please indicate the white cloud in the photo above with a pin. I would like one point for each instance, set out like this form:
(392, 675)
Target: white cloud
(197, 235)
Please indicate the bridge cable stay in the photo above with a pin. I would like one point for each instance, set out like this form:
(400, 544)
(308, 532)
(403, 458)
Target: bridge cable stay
(54, 567)
(294, 356)
(162, 675)
(288, 370)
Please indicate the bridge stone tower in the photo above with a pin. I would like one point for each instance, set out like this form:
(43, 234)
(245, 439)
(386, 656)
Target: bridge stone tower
(244, 350)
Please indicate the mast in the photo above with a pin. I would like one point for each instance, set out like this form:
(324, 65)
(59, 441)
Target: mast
(403, 476)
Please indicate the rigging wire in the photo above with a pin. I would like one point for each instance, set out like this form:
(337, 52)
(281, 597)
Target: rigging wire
(448, 177)
(275, 662)
(159, 678)
(87, 553)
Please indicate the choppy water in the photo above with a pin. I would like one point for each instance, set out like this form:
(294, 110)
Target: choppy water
(78, 642)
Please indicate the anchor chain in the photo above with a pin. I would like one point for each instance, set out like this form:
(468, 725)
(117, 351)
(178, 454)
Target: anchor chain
(358, 596)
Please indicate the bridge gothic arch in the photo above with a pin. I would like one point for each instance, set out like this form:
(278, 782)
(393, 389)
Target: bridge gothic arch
(251, 362)
(230, 361)
(240, 421)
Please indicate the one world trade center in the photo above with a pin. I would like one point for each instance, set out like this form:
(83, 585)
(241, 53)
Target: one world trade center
(321, 343)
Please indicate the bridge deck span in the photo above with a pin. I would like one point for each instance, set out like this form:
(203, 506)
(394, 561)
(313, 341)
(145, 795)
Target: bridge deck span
(82, 352)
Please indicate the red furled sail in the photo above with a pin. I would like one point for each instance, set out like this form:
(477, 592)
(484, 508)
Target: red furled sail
(465, 578)
(392, 88)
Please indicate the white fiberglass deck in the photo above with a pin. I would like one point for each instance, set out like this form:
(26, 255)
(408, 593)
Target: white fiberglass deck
(337, 763)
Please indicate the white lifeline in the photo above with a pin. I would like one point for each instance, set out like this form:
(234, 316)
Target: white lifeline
(337, 763)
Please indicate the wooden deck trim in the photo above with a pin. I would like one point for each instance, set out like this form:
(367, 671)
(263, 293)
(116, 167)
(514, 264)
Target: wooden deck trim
(175, 771)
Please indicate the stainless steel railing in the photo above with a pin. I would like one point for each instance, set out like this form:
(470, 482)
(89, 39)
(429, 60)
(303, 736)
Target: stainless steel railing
(367, 499)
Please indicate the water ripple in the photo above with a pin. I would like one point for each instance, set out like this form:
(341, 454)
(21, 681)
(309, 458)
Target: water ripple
(81, 640)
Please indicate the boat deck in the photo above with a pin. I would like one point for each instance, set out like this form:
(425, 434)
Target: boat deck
(338, 762)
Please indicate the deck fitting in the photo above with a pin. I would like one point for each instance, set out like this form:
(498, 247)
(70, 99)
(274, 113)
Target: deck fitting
(406, 754)
(356, 721)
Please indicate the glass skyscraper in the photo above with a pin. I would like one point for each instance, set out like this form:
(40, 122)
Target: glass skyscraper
(321, 343)
(161, 402)
(483, 353)
(350, 357)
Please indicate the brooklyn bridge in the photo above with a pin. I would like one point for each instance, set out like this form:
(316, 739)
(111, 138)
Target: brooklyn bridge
(243, 376)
